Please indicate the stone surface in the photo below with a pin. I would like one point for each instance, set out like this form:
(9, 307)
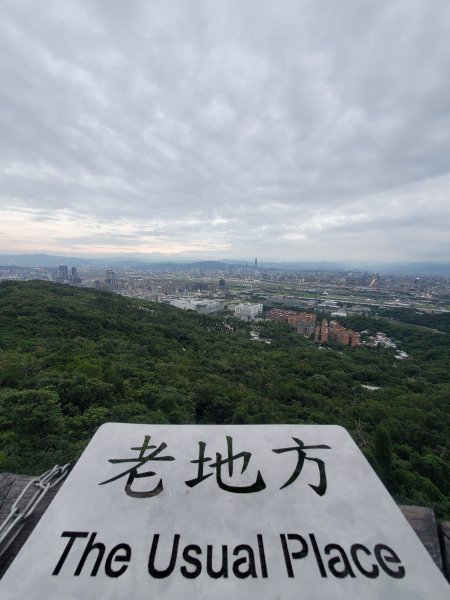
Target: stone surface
(444, 530)
(423, 521)
(152, 532)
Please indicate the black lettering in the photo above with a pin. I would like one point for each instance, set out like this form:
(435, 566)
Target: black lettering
(72, 535)
(262, 555)
(223, 571)
(299, 554)
(192, 561)
(390, 558)
(336, 560)
(249, 559)
(91, 546)
(157, 573)
(317, 555)
(353, 551)
(123, 558)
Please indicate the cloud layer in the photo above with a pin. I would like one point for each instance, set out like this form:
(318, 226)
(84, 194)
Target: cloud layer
(289, 129)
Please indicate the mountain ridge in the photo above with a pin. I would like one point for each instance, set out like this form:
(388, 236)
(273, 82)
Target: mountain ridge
(53, 261)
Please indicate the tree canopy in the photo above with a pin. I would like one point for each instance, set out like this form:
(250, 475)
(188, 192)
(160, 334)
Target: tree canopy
(72, 359)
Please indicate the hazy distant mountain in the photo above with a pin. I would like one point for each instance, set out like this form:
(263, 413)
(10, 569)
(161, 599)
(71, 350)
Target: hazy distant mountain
(303, 266)
(119, 262)
(428, 268)
(416, 268)
(52, 261)
(42, 260)
(204, 265)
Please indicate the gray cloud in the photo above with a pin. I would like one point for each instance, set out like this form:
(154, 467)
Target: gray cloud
(288, 130)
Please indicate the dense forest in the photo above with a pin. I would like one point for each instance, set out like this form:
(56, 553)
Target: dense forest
(72, 359)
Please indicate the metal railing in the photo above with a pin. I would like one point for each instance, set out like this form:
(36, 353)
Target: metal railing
(22, 509)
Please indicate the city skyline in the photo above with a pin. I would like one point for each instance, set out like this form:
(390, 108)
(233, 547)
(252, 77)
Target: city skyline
(287, 131)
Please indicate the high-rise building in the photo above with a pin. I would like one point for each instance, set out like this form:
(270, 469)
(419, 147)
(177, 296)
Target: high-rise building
(63, 273)
(256, 263)
(74, 277)
(110, 278)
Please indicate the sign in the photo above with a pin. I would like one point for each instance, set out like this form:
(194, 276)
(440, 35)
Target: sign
(259, 511)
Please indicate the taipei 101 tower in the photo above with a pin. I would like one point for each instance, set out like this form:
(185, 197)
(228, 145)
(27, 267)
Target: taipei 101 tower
(256, 264)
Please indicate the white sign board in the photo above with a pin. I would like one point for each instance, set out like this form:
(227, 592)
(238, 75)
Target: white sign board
(223, 512)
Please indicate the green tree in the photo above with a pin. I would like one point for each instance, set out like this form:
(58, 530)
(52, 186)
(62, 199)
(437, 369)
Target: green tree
(382, 452)
(31, 412)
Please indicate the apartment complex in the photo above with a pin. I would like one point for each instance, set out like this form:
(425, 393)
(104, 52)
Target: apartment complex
(280, 314)
(335, 332)
(303, 322)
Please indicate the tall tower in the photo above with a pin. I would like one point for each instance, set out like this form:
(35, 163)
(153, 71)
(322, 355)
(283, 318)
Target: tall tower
(110, 278)
(74, 277)
(63, 273)
(256, 263)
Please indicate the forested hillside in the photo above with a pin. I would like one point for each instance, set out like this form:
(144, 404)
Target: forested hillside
(72, 359)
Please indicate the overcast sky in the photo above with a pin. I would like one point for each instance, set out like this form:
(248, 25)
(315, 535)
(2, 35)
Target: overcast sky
(301, 130)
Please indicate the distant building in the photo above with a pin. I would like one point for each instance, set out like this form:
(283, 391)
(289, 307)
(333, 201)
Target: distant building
(381, 339)
(324, 332)
(208, 307)
(183, 304)
(328, 306)
(355, 338)
(303, 322)
(248, 311)
(110, 278)
(285, 301)
(339, 313)
(335, 332)
(307, 324)
(74, 277)
(63, 273)
(203, 307)
(280, 314)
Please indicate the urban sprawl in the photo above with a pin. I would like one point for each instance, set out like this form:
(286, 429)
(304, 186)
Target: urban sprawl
(310, 302)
